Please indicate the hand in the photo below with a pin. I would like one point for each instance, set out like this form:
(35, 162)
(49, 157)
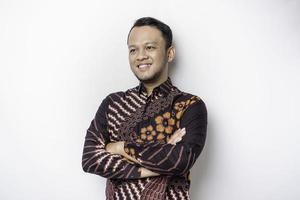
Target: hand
(147, 173)
(118, 148)
(115, 147)
(177, 136)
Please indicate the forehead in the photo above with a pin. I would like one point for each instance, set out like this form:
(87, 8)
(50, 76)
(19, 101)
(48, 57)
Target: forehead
(145, 34)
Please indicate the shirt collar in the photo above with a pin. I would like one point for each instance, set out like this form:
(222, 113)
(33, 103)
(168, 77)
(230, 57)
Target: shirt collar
(164, 88)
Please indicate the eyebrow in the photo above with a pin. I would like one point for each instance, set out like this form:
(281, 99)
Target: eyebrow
(129, 46)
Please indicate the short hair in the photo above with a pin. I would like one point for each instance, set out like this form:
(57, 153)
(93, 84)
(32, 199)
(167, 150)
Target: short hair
(162, 27)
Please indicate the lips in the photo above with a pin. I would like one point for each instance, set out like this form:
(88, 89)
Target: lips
(144, 65)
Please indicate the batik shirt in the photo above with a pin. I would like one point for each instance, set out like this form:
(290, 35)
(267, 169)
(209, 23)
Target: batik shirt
(146, 123)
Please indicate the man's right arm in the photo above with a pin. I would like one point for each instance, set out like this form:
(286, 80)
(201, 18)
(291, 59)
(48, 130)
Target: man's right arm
(95, 158)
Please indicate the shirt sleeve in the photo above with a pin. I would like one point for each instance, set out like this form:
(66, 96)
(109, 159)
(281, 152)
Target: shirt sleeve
(175, 159)
(95, 159)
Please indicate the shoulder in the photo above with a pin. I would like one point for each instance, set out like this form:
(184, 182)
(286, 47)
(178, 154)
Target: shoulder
(189, 100)
(193, 108)
(118, 95)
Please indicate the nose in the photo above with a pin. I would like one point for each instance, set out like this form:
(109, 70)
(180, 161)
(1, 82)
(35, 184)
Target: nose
(142, 55)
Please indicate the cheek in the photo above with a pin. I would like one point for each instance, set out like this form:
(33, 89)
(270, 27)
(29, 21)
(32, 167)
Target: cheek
(131, 59)
(159, 58)
(160, 55)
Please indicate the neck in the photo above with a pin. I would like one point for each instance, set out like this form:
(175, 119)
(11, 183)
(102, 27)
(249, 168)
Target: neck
(150, 86)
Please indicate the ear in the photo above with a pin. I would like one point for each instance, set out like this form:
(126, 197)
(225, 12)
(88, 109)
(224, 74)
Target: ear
(171, 53)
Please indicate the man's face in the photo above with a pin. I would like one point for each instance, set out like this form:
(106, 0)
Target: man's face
(148, 56)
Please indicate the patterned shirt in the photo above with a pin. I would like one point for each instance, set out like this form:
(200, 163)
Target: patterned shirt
(146, 124)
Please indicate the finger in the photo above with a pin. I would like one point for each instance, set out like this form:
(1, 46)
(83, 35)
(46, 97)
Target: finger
(183, 130)
(173, 140)
(177, 131)
(177, 140)
(178, 134)
(183, 133)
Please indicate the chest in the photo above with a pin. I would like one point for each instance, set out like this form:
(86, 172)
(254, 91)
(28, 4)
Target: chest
(147, 120)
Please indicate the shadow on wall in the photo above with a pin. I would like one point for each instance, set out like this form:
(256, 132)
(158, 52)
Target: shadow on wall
(201, 171)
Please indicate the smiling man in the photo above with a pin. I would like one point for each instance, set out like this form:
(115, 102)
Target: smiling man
(146, 139)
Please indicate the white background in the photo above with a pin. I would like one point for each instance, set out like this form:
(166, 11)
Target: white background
(60, 58)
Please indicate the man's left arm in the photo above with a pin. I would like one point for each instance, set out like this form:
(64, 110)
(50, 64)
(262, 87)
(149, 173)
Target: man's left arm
(170, 159)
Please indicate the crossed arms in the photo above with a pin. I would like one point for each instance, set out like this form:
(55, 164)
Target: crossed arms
(118, 148)
(110, 160)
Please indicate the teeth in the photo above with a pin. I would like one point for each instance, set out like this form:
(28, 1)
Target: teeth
(144, 65)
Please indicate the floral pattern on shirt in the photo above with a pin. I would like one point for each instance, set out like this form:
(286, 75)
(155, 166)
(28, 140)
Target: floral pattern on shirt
(164, 124)
(181, 106)
(148, 133)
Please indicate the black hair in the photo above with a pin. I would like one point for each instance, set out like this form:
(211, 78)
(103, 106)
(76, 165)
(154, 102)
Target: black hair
(162, 27)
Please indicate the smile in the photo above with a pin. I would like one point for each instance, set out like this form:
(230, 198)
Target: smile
(144, 65)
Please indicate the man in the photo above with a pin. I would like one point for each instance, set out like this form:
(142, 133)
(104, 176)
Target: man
(146, 139)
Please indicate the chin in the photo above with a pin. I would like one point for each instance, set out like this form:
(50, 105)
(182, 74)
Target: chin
(145, 78)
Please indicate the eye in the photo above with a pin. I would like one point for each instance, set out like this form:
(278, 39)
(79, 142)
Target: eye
(131, 51)
(150, 47)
